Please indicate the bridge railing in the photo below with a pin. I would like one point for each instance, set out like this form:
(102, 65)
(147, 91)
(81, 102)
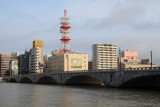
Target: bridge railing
(97, 70)
(111, 70)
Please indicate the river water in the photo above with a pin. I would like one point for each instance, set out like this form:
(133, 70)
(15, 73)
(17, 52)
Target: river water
(38, 95)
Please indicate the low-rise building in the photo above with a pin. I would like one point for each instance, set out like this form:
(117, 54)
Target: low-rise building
(67, 62)
(45, 58)
(13, 67)
(90, 65)
(129, 59)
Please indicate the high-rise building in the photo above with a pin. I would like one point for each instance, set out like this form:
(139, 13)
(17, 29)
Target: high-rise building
(104, 56)
(23, 63)
(36, 57)
(4, 62)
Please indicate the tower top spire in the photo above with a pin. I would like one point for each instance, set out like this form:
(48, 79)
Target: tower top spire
(65, 13)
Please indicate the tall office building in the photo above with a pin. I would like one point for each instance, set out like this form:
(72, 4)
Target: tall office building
(36, 57)
(104, 56)
(4, 62)
(23, 63)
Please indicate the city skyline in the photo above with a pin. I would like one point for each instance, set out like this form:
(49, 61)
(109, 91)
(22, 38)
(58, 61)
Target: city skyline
(132, 25)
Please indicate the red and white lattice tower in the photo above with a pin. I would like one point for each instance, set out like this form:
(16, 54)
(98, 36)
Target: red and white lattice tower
(65, 46)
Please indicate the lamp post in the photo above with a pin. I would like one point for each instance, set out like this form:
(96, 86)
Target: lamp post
(67, 62)
(151, 58)
(119, 59)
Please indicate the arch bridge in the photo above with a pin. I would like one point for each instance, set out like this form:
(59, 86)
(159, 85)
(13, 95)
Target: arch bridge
(142, 77)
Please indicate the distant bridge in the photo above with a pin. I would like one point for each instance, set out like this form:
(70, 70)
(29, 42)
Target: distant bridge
(142, 77)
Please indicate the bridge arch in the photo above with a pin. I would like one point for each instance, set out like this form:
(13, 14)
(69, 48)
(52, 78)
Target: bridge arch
(25, 80)
(46, 80)
(142, 81)
(83, 80)
(12, 80)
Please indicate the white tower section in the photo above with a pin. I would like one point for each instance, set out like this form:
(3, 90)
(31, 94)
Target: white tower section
(65, 40)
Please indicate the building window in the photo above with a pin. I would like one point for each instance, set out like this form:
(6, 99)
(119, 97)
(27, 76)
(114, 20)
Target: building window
(39, 42)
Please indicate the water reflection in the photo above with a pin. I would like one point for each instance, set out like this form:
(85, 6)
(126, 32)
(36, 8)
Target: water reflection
(38, 95)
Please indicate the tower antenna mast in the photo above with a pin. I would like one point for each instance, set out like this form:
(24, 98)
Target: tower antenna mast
(64, 30)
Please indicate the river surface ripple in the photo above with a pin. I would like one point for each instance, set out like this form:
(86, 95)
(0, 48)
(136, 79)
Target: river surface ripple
(37, 95)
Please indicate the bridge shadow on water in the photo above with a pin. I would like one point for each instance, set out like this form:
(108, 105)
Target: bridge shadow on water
(46, 80)
(83, 80)
(25, 80)
(12, 80)
(144, 82)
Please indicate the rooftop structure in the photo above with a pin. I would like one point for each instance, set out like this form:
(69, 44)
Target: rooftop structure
(38, 43)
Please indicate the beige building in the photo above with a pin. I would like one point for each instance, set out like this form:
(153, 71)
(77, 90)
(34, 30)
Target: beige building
(13, 67)
(129, 59)
(36, 57)
(45, 58)
(67, 62)
(104, 56)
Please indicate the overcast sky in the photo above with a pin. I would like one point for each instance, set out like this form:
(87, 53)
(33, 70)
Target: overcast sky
(131, 24)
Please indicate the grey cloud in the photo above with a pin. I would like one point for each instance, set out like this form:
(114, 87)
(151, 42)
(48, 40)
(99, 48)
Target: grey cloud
(127, 23)
(137, 14)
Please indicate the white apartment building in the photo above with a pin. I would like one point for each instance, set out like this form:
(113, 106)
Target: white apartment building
(36, 60)
(104, 56)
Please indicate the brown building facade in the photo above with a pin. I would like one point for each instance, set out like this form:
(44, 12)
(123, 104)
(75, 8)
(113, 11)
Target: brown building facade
(4, 62)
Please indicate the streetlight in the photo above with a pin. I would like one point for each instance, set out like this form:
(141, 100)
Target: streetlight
(151, 58)
(119, 59)
(67, 62)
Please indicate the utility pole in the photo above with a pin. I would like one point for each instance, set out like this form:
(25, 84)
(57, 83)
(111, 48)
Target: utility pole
(151, 58)
(67, 56)
(119, 59)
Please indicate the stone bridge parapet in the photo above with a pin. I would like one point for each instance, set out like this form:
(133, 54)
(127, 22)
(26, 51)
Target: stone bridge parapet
(127, 78)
